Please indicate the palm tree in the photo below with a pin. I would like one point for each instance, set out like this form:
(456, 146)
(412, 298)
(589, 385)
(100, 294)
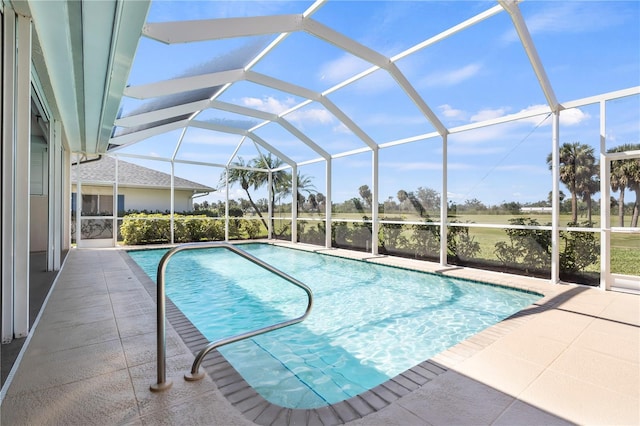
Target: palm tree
(278, 178)
(590, 185)
(402, 197)
(576, 167)
(625, 174)
(238, 173)
(304, 184)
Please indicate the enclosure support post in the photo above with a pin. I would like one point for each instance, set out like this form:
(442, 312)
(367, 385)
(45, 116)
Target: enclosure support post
(443, 205)
(270, 207)
(171, 221)
(22, 160)
(294, 204)
(8, 118)
(226, 205)
(327, 206)
(115, 204)
(374, 202)
(605, 210)
(555, 205)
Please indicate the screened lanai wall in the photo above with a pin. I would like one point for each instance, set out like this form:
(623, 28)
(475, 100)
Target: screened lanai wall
(432, 130)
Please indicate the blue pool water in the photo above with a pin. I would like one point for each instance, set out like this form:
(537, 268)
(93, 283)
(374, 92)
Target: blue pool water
(368, 324)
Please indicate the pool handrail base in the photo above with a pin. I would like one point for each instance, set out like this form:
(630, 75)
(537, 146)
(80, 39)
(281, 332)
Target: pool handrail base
(195, 375)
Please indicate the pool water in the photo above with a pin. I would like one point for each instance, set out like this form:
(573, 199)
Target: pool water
(368, 324)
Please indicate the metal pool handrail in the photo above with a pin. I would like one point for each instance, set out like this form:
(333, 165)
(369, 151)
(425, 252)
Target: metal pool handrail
(163, 384)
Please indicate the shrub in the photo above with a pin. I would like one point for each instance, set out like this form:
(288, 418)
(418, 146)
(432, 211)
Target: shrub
(252, 228)
(581, 249)
(142, 228)
(530, 248)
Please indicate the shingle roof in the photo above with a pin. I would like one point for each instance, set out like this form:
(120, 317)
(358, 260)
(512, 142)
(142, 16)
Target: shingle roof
(131, 175)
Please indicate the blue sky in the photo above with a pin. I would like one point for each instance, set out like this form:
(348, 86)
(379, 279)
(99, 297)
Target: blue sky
(587, 48)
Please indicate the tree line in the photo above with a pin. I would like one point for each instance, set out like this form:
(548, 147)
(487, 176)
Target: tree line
(579, 171)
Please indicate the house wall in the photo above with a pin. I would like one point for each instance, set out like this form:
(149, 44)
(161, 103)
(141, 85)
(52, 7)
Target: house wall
(39, 223)
(156, 199)
(145, 198)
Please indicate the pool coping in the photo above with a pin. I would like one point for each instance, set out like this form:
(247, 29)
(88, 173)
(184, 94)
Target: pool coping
(260, 411)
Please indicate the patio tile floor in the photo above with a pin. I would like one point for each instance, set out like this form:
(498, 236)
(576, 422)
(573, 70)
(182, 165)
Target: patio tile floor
(573, 357)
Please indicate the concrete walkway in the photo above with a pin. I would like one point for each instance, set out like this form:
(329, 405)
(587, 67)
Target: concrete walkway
(571, 358)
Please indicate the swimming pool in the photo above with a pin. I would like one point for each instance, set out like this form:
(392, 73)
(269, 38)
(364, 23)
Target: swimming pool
(369, 322)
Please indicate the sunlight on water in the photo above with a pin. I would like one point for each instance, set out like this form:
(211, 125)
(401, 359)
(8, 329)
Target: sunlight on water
(368, 324)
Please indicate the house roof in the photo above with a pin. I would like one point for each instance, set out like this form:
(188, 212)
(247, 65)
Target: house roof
(131, 175)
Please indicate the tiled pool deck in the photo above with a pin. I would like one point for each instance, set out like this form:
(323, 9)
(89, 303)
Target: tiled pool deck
(573, 357)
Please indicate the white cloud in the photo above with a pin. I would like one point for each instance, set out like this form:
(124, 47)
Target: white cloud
(451, 77)
(568, 117)
(569, 18)
(489, 114)
(342, 68)
(208, 137)
(415, 165)
(268, 104)
(341, 128)
(573, 116)
(311, 116)
(452, 113)
(386, 119)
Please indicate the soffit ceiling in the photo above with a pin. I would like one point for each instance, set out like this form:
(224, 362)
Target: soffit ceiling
(82, 54)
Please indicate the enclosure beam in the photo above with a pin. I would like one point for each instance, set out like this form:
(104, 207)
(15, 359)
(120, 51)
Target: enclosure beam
(512, 8)
(605, 209)
(444, 204)
(555, 204)
(178, 32)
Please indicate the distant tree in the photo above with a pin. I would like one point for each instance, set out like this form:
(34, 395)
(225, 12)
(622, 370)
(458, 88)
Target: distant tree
(625, 174)
(474, 205)
(238, 173)
(313, 203)
(576, 170)
(402, 196)
(390, 205)
(304, 184)
(561, 196)
(321, 199)
(429, 198)
(365, 194)
(415, 202)
(512, 207)
(589, 187)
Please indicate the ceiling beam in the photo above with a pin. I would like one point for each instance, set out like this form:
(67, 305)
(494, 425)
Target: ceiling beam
(133, 137)
(161, 114)
(216, 29)
(183, 84)
(236, 131)
(511, 6)
(269, 117)
(345, 43)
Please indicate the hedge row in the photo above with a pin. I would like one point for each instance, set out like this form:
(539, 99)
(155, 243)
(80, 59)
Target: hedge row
(156, 228)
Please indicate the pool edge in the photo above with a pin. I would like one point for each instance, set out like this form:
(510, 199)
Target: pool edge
(260, 411)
